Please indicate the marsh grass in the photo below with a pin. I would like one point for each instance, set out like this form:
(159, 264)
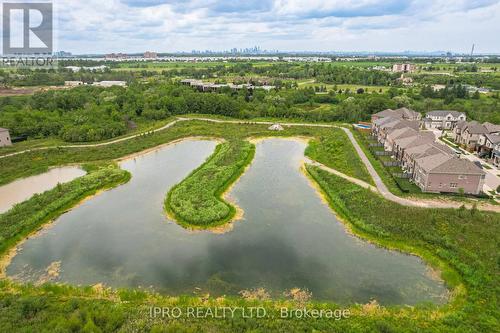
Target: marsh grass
(197, 201)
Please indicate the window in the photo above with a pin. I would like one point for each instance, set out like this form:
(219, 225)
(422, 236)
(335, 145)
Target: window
(462, 177)
(453, 185)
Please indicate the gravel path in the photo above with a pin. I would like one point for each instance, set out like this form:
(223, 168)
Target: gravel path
(380, 186)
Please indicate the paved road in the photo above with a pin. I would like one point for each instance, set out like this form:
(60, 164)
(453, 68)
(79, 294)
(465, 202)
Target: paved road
(384, 191)
(380, 186)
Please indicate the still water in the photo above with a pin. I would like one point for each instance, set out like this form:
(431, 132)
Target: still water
(23, 189)
(289, 238)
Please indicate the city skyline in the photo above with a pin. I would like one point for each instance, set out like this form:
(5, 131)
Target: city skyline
(134, 26)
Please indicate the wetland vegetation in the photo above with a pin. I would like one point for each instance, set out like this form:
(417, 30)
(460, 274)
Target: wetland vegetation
(196, 201)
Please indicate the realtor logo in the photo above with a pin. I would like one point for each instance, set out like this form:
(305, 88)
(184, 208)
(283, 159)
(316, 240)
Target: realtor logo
(27, 28)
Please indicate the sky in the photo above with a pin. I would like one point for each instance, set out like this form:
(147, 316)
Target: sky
(104, 26)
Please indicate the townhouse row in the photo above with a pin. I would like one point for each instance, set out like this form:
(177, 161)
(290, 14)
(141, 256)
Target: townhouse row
(482, 138)
(432, 166)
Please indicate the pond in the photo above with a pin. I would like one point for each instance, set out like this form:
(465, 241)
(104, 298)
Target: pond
(23, 189)
(289, 238)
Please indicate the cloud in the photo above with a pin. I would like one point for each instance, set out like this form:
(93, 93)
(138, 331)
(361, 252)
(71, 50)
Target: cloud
(169, 25)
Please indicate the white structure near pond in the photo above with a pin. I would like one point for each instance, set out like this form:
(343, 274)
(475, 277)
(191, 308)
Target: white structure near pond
(276, 127)
(5, 137)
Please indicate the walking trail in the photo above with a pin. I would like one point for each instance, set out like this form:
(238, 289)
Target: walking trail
(380, 186)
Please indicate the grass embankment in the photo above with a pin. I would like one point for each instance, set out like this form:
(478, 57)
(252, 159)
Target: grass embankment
(336, 151)
(196, 202)
(462, 243)
(36, 162)
(27, 217)
(465, 239)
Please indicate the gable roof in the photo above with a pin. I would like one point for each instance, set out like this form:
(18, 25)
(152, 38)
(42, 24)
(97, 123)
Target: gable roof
(384, 120)
(386, 113)
(493, 138)
(444, 113)
(476, 128)
(3, 129)
(402, 133)
(491, 128)
(430, 162)
(459, 166)
(405, 112)
(415, 140)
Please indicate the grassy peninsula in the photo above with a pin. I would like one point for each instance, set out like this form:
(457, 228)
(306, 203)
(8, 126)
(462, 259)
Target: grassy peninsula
(196, 202)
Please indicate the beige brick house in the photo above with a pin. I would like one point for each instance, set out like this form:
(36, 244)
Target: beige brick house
(444, 173)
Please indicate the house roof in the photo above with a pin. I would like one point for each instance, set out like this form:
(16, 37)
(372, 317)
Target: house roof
(402, 123)
(444, 113)
(430, 162)
(461, 124)
(402, 133)
(476, 128)
(459, 166)
(415, 140)
(428, 149)
(3, 129)
(448, 164)
(492, 128)
(382, 121)
(386, 113)
(493, 138)
(405, 112)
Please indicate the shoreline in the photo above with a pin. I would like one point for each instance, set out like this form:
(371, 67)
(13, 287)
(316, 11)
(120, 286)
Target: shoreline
(164, 145)
(8, 256)
(436, 266)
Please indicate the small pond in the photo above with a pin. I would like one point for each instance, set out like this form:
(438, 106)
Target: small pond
(23, 189)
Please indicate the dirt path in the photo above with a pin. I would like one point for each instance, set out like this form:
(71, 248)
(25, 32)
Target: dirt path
(380, 186)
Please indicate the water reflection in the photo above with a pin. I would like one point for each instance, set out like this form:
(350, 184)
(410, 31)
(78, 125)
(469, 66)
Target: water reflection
(289, 238)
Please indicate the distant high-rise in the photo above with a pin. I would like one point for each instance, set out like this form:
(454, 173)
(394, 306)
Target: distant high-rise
(63, 54)
(404, 68)
(113, 56)
(150, 55)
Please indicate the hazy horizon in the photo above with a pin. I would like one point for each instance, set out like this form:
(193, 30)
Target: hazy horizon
(169, 26)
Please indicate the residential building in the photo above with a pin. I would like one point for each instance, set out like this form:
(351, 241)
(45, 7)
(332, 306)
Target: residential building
(399, 133)
(116, 56)
(385, 126)
(410, 154)
(469, 133)
(486, 144)
(444, 173)
(108, 84)
(404, 68)
(443, 119)
(5, 137)
(433, 166)
(402, 113)
(496, 155)
(419, 138)
(213, 87)
(150, 55)
(73, 83)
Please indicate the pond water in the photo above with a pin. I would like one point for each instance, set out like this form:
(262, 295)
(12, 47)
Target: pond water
(23, 189)
(289, 238)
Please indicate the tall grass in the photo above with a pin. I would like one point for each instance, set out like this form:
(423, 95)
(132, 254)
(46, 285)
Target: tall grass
(196, 201)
